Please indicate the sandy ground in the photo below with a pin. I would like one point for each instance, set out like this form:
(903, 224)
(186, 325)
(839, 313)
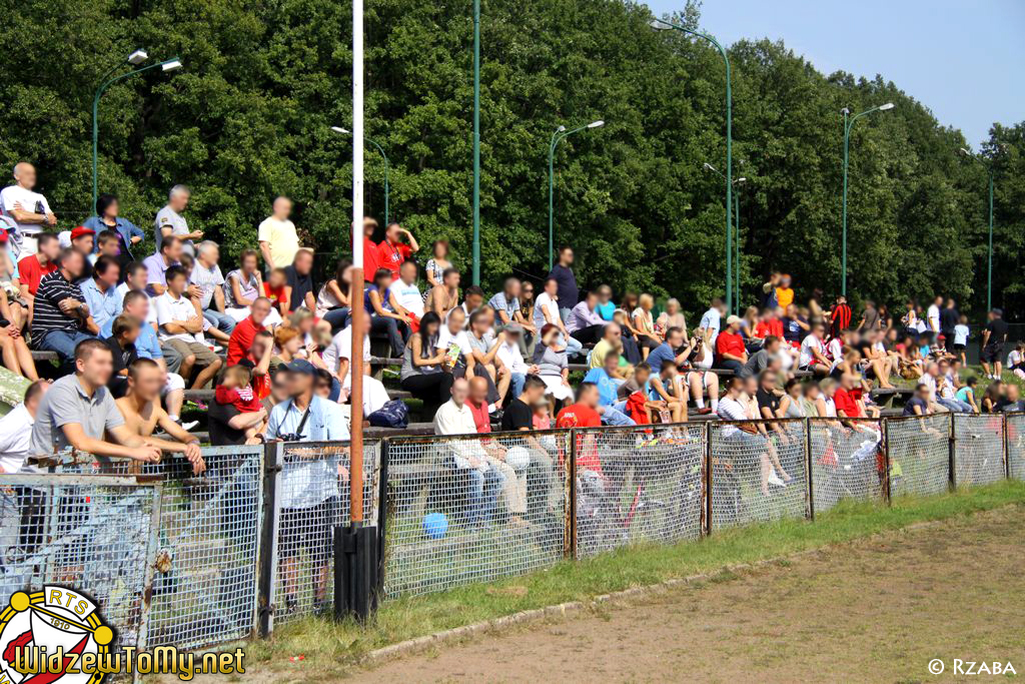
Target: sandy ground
(875, 611)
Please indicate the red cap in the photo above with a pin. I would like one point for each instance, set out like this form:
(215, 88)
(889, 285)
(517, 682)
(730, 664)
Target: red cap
(81, 231)
(3, 235)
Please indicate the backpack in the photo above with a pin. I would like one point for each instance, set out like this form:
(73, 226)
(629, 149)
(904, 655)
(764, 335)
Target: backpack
(394, 414)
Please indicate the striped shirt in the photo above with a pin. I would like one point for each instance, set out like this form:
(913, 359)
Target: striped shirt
(47, 316)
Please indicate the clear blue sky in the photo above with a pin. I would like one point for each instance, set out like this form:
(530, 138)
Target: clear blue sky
(963, 60)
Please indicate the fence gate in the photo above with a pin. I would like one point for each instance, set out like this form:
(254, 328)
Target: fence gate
(978, 449)
(91, 532)
(919, 454)
(759, 471)
(847, 461)
(1015, 430)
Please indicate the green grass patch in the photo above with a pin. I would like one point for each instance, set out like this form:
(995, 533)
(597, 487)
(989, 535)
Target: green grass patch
(330, 649)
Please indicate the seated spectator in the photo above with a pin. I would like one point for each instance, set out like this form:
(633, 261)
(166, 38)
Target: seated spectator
(454, 417)
(206, 276)
(792, 403)
(170, 254)
(243, 286)
(28, 210)
(1012, 401)
(762, 358)
(338, 361)
(392, 252)
(584, 412)
(108, 243)
(33, 267)
(610, 343)
(813, 352)
(644, 324)
(509, 354)
(408, 294)
(124, 332)
(607, 380)
(437, 264)
(553, 368)
(245, 331)
(369, 248)
(665, 388)
(289, 420)
(180, 323)
(665, 353)
(140, 407)
(966, 394)
(333, 299)
(585, 324)
(100, 291)
(547, 311)
(795, 327)
(275, 288)
(136, 276)
(919, 404)
(61, 318)
(278, 238)
(511, 462)
(78, 411)
(299, 281)
(83, 241)
(731, 353)
(258, 362)
(444, 297)
(508, 306)
(107, 219)
(484, 349)
(770, 323)
(606, 307)
(385, 313)
(236, 389)
(672, 317)
(750, 435)
(16, 429)
(473, 300)
(424, 373)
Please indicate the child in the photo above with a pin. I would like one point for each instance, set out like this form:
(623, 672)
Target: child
(107, 242)
(967, 393)
(666, 388)
(124, 333)
(235, 389)
(542, 420)
(1016, 360)
(961, 334)
(275, 289)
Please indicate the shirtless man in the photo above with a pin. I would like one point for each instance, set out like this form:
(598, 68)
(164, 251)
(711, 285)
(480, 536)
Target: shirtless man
(142, 413)
(445, 297)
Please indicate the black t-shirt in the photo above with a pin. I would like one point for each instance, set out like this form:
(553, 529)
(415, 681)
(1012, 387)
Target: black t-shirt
(769, 400)
(123, 356)
(569, 294)
(948, 319)
(222, 434)
(792, 331)
(909, 407)
(301, 286)
(517, 416)
(997, 331)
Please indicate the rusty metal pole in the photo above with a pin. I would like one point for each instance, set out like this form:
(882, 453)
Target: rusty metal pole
(357, 325)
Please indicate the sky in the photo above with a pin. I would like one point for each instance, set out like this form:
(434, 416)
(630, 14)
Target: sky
(963, 60)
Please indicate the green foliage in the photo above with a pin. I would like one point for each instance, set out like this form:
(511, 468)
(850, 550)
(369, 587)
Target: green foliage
(248, 118)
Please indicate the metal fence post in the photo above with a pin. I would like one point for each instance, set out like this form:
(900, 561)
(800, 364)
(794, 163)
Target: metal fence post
(1005, 446)
(953, 449)
(708, 479)
(266, 562)
(382, 522)
(810, 488)
(570, 541)
(886, 461)
(151, 562)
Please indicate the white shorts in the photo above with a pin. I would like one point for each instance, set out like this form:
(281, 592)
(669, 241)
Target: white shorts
(556, 388)
(174, 382)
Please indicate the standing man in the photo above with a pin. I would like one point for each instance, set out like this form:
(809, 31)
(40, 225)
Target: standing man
(392, 252)
(206, 275)
(711, 321)
(181, 329)
(299, 282)
(61, 318)
(993, 338)
(932, 315)
(278, 238)
(840, 319)
(29, 210)
(171, 222)
(950, 317)
(100, 291)
(369, 249)
(562, 273)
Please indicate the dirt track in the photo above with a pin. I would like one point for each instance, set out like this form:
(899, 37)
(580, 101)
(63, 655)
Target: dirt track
(876, 611)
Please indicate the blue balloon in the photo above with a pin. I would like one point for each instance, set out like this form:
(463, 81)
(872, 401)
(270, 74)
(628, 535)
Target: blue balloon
(435, 525)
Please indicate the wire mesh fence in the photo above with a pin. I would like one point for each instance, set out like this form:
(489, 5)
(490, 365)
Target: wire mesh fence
(759, 471)
(94, 533)
(919, 454)
(1015, 427)
(474, 508)
(638, 484)
(846, 461)
(978, 449)
(312, 498)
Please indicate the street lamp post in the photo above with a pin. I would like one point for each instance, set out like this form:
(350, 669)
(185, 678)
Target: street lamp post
(662, 25)
(476, 142)
(736, 197)
(989, 269)
(134, 59)
(387, 167)
(560, 134)
(847, 125)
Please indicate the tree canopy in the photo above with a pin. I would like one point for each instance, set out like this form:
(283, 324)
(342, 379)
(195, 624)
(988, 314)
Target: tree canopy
(248, 118)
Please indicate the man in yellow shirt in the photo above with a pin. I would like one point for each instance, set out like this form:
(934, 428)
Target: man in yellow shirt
(279, 241)
(784, 293)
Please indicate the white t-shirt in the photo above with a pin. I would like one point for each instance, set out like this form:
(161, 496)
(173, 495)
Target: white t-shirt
(448, 341)
(1013, 358)
(711, 321)
(454, 420)
(811, 342)
(409, 297)
(933, 314)
(544, 301)
(834, 350)
(511, 357)
(282, 239)
(174, 310)
(15, 439)
(341, 348)
(731, 409)
(29, 201)
(961, 334)
(930, 382)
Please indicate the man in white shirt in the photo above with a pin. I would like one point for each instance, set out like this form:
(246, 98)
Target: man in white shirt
(338, 356)
(406, 291)
(180, 322)
(170, 221)
(511, 356)
(813, 356)
(206, 275)
(16, 429)
(279, 241)
(711, 321)
(933, 315)
(27, 209)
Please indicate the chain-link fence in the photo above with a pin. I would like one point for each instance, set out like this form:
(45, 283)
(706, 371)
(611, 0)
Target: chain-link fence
(474, 508)
(759, 471)
(311, 498)
(846, 461)
(919, 453)
(1015, 426)
(638, 484)
(94, 533)
(978, 449)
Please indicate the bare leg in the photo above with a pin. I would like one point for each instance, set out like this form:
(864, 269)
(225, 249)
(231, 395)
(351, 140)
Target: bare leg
(766, 470)
(504, 381)
(185, 370)
(173, 401)
(10, 356)
(28, 365)
(774, 457)
(206, 375)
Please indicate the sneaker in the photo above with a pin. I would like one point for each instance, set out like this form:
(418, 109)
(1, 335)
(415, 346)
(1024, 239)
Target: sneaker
(189, 425)
(775, 480)
(703, 411)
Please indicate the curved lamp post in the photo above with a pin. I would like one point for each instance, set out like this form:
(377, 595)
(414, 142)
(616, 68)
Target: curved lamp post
(346, 131)
(557, 137)
(136, 58)
(737, 182)
(662, 25)
(989, 271)
(848, 124)
(476, 142)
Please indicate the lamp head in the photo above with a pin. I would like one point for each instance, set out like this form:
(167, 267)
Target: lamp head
(596, 124)
(742, 179)
(560, 129)
(137, 57)
(845, 110)
(884, 107)
(709, 167)
(659, 25)
(171, 65)
(966, 152)
(339, 129)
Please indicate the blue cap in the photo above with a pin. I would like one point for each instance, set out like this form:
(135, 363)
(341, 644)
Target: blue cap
(301, 366)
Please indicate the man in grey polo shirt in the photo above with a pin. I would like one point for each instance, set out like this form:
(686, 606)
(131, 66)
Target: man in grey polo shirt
(78, 411)
(171, 222)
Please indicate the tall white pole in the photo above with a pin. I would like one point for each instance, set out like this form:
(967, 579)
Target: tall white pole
(358, 314)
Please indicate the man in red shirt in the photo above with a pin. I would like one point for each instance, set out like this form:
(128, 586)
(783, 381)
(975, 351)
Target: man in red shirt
(478, 403)
(33, 267)
(241, 340)
(584, 414)
(392, 253)
(840, 319)
(369, 249)
(846, 399)
(771, 324)
(730, 351)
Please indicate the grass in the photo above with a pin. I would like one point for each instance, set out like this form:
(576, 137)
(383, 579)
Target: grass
(330, 650)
